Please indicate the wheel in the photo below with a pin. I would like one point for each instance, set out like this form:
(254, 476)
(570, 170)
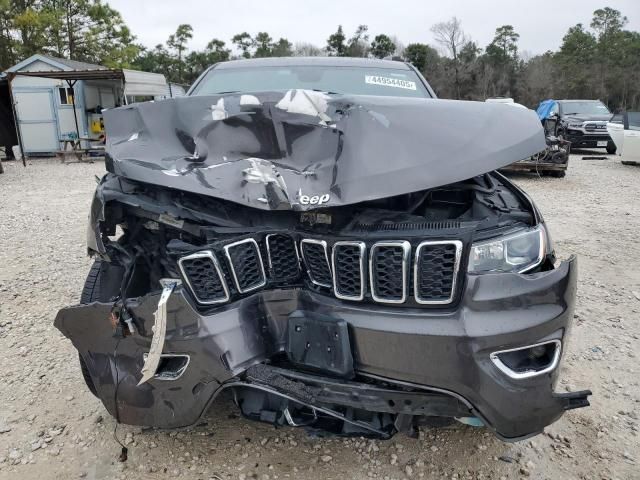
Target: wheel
(557, 173)
(90, 293)
(611, 148)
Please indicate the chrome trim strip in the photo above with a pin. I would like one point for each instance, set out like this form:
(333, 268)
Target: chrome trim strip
(456, 268)
(543, 248)
(406, 252)
(226, 249)
(531, 373)
(326, 256)
(211, 256)
(363, 251)
(180, 371)
(295, 247)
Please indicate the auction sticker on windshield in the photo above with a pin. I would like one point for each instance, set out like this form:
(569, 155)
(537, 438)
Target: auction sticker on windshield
(390, 82)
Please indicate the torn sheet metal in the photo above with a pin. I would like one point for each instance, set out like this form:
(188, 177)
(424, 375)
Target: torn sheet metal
(152, 360)
(313, 144)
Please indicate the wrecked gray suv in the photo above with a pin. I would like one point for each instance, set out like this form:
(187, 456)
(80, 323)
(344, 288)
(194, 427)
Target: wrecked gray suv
(330, 243)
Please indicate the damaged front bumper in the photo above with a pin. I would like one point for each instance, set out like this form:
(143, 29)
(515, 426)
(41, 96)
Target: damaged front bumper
(404, 364)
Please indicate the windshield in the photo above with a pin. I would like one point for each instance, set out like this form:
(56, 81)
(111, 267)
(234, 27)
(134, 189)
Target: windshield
(585, 108)
(347, 80)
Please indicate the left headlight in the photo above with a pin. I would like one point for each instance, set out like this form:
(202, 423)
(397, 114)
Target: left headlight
(518, 252)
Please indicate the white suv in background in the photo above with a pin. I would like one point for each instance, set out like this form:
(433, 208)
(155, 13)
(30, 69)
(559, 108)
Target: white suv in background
(624, 129)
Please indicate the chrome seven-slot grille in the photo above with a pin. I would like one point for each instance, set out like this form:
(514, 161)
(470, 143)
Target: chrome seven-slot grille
(391, 272)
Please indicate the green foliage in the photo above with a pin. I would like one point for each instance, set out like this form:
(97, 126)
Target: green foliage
(416, 54)
(382, 46)
(336, 46)
(244, 42)
(607, 21)
(85, 30)
(8, 44)
(262, 42)
(282, 48)
(358, 45)
(503, 49)
(598, 61)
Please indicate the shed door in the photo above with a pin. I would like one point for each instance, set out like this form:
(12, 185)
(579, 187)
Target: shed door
(37, 121)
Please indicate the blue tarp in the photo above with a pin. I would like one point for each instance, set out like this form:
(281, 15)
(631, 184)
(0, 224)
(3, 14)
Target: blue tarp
(544, 109)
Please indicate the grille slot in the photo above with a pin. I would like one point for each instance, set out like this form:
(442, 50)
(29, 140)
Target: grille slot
(388, 268)
(282, 256)
(347, 260)
(201, 271)
(246, 265)
(314, 254)
(435, 271)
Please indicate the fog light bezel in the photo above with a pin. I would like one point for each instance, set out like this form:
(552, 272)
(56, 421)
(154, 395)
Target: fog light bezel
(178, 373)
(495, 359)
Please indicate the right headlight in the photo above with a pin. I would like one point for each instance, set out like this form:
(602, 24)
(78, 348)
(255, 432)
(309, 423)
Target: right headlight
(518, 252)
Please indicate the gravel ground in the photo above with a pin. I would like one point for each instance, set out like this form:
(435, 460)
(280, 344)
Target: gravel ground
(52, 427)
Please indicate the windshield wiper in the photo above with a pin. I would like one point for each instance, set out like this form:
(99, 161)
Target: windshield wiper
(325, 91)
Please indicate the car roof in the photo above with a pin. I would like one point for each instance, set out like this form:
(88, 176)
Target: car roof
(573, 100)
(305, 61)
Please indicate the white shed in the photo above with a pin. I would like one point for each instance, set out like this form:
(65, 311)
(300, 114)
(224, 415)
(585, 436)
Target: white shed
(172, 90)
(45, 90)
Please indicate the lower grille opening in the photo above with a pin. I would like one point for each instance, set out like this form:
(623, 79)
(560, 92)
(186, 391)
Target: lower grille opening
(201, 272)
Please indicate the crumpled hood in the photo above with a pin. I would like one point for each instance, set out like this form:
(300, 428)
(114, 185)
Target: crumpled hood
(305, 149)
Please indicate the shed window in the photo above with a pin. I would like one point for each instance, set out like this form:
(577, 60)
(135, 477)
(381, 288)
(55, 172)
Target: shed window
(66, 95)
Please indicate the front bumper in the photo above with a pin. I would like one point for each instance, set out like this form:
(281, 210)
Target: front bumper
(419, 349)
(579, 139)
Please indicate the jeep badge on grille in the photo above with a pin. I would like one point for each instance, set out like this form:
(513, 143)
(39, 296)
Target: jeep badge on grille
(315, 199)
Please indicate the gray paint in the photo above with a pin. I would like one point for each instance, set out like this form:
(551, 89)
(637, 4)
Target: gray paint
(452, 347)
(352, 148)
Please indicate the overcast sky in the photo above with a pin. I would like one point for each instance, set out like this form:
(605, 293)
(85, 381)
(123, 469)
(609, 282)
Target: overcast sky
(540, 23)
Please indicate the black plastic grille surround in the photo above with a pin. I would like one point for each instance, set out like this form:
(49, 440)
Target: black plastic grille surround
(389, 272)
(314, 253)
(284, 263)
(246, 264)
(435, 274)
(348, 270)
(204, 277)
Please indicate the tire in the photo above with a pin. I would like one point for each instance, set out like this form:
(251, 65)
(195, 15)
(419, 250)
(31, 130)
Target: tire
(611, 148)
(91, 290)
(90, 293)
(557, 173)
